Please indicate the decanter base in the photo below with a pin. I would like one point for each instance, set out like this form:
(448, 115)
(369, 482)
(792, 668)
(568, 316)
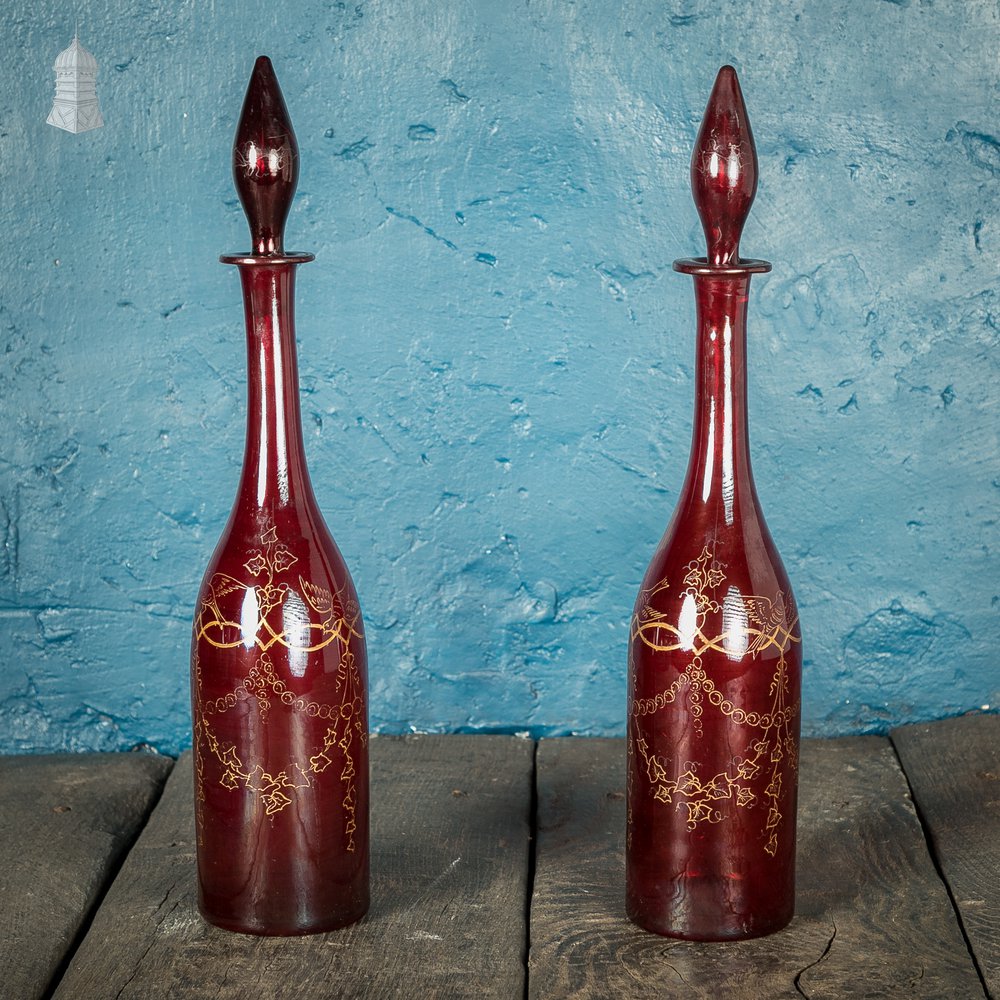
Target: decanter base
(261, 926)
(699, 911)
(282, 916)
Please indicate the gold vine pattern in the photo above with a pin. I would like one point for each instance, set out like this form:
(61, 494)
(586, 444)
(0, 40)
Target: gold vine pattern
(212, 625)
(763, 624)
(338, 623)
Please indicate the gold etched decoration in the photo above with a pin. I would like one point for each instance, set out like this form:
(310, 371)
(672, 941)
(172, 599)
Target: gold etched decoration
(260, 605)
(265, 617)
(275, 790)
(750, 625)
(264, 688)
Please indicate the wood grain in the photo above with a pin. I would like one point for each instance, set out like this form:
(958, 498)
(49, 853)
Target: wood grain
(873, 918)
(450, 839)
(65, 822)
(954, 771)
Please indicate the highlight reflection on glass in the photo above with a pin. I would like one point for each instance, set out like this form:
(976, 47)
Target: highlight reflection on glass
(296, 621)
(250, 618)
(735, 624)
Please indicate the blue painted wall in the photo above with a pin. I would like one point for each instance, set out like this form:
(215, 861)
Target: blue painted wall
(496, 356)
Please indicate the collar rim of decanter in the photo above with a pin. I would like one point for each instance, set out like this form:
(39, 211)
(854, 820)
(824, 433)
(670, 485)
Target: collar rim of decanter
(266, 260)
(700, 267)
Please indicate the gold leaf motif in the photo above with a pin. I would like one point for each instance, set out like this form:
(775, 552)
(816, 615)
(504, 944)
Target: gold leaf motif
(657, 772)
(774, 789)
(275, 802)
(282, 558)
(688, 783)
(256, 564)
(718, 787)
(700, 812)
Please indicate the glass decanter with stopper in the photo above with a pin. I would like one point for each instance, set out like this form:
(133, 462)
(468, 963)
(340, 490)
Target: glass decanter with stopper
(278, 665)
(714, 648)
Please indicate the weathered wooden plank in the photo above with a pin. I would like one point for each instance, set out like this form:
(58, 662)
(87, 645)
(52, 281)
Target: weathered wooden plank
(873, 917)
(450, 839)
(65, 822)
(954, 770)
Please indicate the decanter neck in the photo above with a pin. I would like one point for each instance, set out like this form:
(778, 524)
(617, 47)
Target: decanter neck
(719, 471)
(274, 465)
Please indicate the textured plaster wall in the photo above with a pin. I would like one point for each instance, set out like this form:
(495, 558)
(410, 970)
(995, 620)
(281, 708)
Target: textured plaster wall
(496, 357)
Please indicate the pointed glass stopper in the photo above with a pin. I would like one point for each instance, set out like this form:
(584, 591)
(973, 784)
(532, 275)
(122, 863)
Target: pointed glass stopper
(724, 169)
(265, 160)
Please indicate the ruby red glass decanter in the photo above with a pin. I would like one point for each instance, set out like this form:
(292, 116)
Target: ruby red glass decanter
(278, 666)
(714, 649)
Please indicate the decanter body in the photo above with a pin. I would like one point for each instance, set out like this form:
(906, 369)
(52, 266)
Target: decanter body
(278, 667)
(715, 653)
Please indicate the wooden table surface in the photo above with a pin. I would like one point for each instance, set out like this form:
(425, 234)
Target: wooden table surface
(498, 871)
